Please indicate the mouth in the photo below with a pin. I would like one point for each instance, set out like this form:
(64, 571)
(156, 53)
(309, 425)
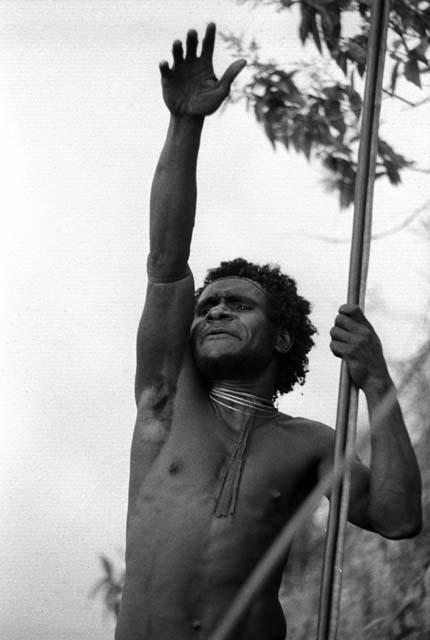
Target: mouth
(219, 333)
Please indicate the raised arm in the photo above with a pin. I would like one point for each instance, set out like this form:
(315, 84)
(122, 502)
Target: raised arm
(388, 498)
(191, 91)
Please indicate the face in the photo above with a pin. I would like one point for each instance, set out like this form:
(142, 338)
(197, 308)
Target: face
(231, 334)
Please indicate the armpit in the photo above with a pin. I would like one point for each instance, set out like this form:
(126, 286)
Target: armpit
(154, 410)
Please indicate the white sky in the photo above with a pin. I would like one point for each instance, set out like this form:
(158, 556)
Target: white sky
(81, 125)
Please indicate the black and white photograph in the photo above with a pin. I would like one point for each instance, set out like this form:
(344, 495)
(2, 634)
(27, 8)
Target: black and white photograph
(216, 319)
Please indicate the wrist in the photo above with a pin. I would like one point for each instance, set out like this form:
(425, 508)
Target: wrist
(186, 121)
(185, 131)
(378, 385)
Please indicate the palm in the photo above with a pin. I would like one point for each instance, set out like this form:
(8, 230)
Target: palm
(190, 87)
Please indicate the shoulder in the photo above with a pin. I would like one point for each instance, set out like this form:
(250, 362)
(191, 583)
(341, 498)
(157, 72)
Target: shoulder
(319, 437)
(305, 425)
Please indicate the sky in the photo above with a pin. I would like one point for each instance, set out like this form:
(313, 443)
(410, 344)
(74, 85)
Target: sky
(81, 125)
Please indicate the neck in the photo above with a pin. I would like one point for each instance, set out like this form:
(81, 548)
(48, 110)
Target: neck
(244, 387)
(238, 401)
(262, 385)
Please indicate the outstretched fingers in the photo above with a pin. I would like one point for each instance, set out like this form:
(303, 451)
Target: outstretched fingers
(209, 41)
(192, 42)
(177, 52)
(164, 68)
(230, 74)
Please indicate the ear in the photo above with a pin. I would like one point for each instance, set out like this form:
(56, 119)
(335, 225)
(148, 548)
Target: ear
(284, 342)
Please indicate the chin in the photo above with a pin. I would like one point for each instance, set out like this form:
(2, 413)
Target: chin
(227, 365)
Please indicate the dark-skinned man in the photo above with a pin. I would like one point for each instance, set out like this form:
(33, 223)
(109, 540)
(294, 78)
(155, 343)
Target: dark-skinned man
(216, 470)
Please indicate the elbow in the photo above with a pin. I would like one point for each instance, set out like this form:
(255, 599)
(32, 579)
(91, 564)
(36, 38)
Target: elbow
(400, 518)
(402, 530)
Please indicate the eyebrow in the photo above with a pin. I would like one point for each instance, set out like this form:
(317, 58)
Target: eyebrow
(210, 300)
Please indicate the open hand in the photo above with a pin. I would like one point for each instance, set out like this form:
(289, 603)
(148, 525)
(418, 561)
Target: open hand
(355, 341)
(190, 86)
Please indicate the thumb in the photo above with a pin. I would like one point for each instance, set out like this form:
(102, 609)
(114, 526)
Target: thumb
(230, 74)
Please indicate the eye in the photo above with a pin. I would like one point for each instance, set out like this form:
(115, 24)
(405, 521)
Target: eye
(239, 306)
(203, 310)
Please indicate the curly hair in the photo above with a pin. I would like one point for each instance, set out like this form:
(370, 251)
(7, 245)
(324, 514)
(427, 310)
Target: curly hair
(287, 310)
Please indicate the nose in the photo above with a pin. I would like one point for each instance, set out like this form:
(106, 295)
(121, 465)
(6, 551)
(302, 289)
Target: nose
(219, 312)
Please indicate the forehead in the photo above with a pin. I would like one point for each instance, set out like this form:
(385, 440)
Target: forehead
(235, 287)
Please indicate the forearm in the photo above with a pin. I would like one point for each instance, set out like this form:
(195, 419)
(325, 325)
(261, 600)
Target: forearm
(173, 199)
(394, 507)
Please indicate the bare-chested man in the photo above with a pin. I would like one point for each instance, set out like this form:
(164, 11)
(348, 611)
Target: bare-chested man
(216, 470)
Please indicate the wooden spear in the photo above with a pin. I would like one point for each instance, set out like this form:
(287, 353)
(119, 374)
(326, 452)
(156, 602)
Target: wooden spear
(360, 248)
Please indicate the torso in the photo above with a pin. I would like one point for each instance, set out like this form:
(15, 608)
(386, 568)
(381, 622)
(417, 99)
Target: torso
(184, 564)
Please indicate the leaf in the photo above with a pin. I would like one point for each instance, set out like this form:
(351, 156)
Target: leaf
(305, 27)
(259, 110)
(316, 34)
(107, 565)
(355, 102)
(287, 84)
(388, 155)
(346, 194)
(334, 92)
(335, 116)
(412, 72)
(285, 140)
(392, 172)
(268, 129)
(341, 60)
(297, 135)
(394, 76)
(307, 142)
(331, 26)
(420, 50)
(363, 7)
(98, 586)
(356, 52)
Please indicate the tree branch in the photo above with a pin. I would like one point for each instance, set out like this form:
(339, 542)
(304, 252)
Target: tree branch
(381, 234)
(395, 95)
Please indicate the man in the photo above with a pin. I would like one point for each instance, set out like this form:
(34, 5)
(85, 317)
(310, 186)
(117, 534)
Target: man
(216, 470)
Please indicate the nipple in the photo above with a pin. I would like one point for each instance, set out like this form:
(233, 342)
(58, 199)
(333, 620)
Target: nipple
(175, 466)
(275, 496)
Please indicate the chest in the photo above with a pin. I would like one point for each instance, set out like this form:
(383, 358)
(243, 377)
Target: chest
(262, 478)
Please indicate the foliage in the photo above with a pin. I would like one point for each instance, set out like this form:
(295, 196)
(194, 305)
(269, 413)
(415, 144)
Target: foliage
(110, 586)
(315, 108)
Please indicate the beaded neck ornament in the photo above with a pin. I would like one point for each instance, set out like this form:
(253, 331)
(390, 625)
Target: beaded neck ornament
(251, 405)
(242, 401)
